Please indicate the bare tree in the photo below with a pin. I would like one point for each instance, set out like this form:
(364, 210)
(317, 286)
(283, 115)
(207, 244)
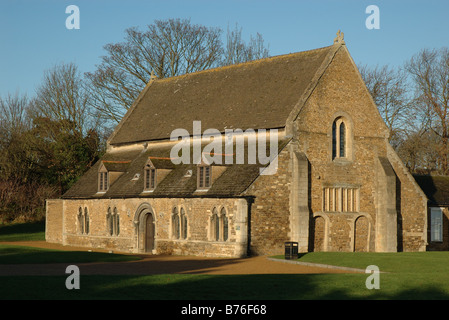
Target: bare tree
(64, 139)
(13, 114)
(390, 92)
(419, 151)
(237, 50)
(430, 72)
(22, 190)
(166, 48)
(62, 98)
(14, 122)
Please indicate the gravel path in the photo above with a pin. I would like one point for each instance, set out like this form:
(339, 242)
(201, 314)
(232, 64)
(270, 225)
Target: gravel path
(161, 264)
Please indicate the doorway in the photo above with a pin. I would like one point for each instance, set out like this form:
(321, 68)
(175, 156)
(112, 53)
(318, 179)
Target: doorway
(149, 233)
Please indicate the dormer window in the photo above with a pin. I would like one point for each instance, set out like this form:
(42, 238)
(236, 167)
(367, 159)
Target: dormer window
(103, 180)
(155, 170)
(204, 176)
(149, 177)
(207, 175)
(109, 172)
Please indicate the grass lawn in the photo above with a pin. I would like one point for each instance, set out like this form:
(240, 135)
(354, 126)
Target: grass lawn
(408, 276)
(226, 287)
(11, 254)
(23, 232)
(397, 262)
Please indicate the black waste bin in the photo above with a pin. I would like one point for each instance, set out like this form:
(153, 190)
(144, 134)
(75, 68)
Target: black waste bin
(291, 250)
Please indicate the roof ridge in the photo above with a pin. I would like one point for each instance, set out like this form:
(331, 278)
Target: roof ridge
(236, 65)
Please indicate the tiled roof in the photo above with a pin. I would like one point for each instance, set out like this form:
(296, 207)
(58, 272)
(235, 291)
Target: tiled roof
(261, 94)
(436, 188)
(234, 180)
(257, 94)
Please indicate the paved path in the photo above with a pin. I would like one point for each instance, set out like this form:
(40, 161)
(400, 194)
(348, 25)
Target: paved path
(162, 264)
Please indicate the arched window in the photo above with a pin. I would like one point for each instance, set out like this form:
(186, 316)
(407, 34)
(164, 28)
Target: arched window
(342, 140)
(110, 222)
(219, 225)
(339, 139)
(224, 220)
(183, 224)
(86, 221)
(81, 220)
(116, 222)
(113, 222)
(334, 140)
(215, 225)
(175, 224)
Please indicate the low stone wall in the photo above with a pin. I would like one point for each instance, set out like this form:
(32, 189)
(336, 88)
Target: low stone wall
(202, 248)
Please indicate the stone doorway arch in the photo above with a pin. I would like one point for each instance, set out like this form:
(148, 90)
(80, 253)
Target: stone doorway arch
(319, 233)
(145, 226)
(362, 228)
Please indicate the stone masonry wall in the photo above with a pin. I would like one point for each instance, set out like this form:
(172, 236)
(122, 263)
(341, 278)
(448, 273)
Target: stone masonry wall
(54, 221)
(341, 93)
(270, 212)
(411, 207)
(198, 211)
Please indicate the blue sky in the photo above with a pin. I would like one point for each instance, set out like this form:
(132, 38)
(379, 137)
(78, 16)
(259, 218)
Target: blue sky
(34, 38)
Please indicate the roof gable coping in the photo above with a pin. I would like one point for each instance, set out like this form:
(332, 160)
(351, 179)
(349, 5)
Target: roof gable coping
(312, 85)
(102, 167)
(149, 163)
(370, 97)
(114, 166)
(339, 43)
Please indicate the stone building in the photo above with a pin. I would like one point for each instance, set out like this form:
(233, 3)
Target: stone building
(436, 189)
(332, 182)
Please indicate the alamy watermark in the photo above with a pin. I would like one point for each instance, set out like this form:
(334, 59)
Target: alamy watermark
(373, 281)
(73, 20)
(373, 20)
(220, 148)
(72, 281)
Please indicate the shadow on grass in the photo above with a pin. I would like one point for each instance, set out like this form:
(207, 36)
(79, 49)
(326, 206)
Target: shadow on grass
(169, 284)
(10, 254)
(210, 287)
(23, 231)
